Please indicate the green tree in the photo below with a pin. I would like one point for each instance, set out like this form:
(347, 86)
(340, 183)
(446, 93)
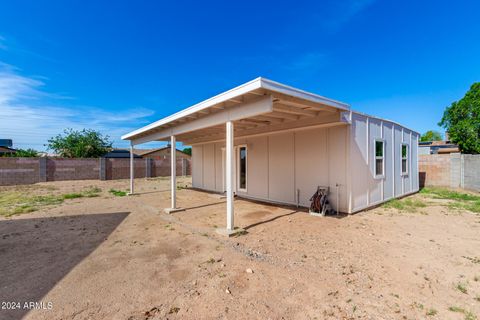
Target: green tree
(23, 153)
(80, 144)
(431, 135)
(187, 151)
(462, 121)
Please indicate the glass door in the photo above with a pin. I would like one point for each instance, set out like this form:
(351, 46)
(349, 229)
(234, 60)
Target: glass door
(242, 168)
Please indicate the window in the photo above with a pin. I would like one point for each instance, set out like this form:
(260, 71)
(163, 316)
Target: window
(379, 158)
(404, 159)
(242, 168)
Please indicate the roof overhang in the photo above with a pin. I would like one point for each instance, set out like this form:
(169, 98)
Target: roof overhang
(260, 105)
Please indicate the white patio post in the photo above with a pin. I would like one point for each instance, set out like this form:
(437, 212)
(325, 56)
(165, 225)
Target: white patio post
(173, 165)
(131, 169)
(173, 177)
(229, 165)
(229, 175)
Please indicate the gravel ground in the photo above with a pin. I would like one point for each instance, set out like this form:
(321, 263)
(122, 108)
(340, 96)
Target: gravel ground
(111, 257)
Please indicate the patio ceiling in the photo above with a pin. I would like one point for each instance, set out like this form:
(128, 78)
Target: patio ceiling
(257, 107)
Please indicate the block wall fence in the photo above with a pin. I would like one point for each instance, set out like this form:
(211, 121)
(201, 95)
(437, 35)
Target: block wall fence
(18, 171)
(442, 170)
(453, 170)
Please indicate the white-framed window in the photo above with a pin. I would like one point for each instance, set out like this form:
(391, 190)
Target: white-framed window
(242, 168)
(404, 153)
(379, 158)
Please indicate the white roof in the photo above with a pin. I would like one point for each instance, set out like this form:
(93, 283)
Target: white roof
(258, 83)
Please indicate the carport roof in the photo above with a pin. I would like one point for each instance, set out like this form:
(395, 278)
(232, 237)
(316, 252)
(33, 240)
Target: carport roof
(256, 88)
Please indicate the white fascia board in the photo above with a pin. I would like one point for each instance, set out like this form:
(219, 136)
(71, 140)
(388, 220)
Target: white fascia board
(301, 94)
(230, 94)
(251, 109)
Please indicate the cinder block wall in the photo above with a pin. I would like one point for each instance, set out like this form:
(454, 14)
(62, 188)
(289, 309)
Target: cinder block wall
(120, 168)
(434, 170)
(18, 171)
(161, 167)
(471, 171)
(453, 170)
(15, 171)
(59, 169)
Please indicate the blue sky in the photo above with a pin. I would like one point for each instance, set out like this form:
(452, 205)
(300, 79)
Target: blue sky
(118, 65)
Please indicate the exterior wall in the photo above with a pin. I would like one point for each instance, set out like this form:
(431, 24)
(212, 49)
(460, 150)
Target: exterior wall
(281, 167)
(279, 164)
(197, 166)
(258, 159)
(311, 156)
(338, 166)
(209, 167)
(287, 167)
(367, 190)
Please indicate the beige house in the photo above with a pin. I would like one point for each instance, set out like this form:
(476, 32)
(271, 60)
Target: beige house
(267, 141)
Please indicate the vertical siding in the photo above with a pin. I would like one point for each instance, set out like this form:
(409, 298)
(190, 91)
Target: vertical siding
(398, 162)
(374, 184)
(197, 166)
(366, 189)
(388, 191)
(337, 165)
(281, 168)
(219, 174)
(280, 164)
(311, 162)
(257, 177)
(209, 166)
(359, 165)
(407, 177)
(415, 177)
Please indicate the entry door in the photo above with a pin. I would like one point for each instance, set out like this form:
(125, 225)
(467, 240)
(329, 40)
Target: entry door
(224, 161)
(240, 165)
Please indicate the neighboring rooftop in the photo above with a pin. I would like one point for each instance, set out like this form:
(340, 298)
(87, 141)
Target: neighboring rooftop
(4, 150)
(120, 153)
(143, 152)
(6, 143)
(435, 147)
(138, 153)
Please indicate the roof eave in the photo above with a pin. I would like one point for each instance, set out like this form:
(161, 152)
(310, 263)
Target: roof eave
(258, 83)
(224, 96)
(301, 94)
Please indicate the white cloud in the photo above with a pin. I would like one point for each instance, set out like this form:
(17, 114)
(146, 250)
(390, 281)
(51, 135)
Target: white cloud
(30, 116)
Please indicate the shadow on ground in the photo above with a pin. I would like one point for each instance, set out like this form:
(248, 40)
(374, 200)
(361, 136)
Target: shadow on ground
(204, 205)
(150, 192)
(269, 220)
(37, 253)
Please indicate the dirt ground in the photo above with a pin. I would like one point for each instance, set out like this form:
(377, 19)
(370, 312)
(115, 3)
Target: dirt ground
(111, 257)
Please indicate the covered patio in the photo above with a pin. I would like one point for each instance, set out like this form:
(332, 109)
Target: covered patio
(256, 108)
